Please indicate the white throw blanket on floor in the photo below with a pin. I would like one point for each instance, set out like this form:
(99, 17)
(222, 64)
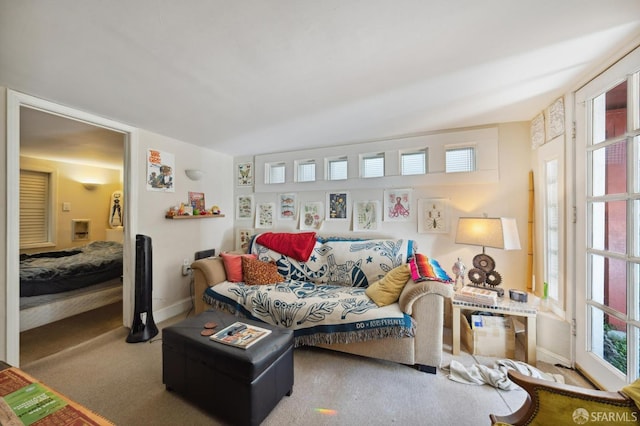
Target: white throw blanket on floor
(479, 374)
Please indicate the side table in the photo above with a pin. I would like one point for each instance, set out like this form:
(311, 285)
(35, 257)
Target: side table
(505, 306)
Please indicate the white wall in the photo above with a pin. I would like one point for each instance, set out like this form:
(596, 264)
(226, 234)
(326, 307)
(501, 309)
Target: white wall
(501, 194)
(176, 240)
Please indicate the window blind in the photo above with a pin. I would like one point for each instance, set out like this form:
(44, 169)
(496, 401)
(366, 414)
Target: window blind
(414, 163)
(307, 171)
(337, 169)
(276, 173)
(34, 207)
(460, 160)
(373, 166)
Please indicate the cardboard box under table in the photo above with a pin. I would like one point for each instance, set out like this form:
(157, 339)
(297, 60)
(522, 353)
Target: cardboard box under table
(488, 335)
(240, 386)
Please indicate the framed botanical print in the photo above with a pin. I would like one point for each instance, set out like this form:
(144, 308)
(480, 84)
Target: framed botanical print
(264, 215)
(245, 174)
(337, 206)
(397, 205)
(244, 207)
(243, 238)
(366, 216)
(311, 215)
(537, 131)
(433, 215)
(555, 119)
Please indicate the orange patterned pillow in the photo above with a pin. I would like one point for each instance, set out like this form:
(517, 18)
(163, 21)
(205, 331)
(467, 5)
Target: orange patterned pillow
(258, 272)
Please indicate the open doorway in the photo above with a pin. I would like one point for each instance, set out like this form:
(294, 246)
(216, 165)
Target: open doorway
(15, 102)
(71, 256)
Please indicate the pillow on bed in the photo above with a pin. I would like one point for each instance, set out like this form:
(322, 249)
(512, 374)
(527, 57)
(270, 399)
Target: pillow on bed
(233, 265)
(258, 272)
(425, 269)
(387, 290)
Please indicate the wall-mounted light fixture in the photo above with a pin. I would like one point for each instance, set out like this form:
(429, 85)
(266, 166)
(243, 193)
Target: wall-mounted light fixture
(194, 174)
(90, 186)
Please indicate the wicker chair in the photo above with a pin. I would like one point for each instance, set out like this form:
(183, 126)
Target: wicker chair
(551, 403)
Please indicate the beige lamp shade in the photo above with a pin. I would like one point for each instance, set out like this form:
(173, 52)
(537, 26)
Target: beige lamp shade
(497, 232)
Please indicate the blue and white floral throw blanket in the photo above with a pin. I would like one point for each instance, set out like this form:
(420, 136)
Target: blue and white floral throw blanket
(323, 299)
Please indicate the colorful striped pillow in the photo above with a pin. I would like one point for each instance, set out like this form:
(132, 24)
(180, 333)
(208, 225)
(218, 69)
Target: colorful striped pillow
(425, 269)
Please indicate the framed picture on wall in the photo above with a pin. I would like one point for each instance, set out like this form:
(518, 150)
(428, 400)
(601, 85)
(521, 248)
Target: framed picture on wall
(244, 207)
(366, 216)
(287, 206)
(243, 238)
(397, 205)
(265, 213)
(555, 119)
(160, 167)
(433, 215)
(537, 131)
(337, 206)
(311, 215)
(245, 174)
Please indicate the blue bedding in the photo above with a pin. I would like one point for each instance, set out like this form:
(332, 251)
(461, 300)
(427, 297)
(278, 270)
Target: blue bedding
(66, 270)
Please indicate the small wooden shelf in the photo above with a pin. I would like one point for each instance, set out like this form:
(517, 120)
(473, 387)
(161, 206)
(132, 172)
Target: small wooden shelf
(205, 216)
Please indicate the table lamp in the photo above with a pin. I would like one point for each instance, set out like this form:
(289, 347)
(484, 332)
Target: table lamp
(497, 232)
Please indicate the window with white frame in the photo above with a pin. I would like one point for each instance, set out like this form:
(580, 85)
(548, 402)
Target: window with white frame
(274, 173)
(552, 230)
(461, 159)
(305, 171)
(35, 209)
(607, 215)
(372, 165)
(337, 168)
(413, 162)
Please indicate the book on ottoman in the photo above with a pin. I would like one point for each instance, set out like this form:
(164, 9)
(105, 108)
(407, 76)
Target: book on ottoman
(240, 335)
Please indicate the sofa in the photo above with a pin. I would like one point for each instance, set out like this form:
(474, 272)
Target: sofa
(322, 288)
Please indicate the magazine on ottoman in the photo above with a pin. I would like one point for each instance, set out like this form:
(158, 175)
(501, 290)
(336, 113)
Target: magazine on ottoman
(240, 335)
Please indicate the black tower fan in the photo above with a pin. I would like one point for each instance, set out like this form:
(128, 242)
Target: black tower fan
(143, 327)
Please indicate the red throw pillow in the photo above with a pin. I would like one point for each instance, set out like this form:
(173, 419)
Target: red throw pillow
(233, 265)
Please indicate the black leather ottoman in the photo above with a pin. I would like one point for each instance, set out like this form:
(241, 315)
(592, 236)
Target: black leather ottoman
(239, 386)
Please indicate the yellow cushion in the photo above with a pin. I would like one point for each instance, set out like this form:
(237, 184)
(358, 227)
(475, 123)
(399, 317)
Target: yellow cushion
(387, 290)
(633, 392)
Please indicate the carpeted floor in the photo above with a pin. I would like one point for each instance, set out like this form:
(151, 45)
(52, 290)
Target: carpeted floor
(51, 338)
(123, 382)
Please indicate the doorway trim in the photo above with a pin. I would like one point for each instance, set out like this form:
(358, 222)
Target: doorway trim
(15, 100)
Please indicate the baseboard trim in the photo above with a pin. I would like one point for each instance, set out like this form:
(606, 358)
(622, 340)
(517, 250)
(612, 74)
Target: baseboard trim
(549, 357)
(171, 311)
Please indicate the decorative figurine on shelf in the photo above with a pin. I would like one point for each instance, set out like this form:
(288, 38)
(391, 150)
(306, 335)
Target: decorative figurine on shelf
(458, 270)
(215, 210)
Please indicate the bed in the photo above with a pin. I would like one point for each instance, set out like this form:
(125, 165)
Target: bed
(58, 284)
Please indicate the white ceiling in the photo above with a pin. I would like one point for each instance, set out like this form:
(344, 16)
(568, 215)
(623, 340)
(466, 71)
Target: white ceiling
(257, 76)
